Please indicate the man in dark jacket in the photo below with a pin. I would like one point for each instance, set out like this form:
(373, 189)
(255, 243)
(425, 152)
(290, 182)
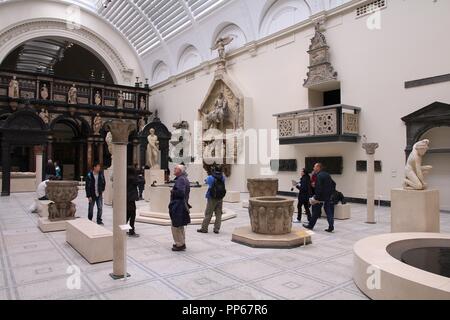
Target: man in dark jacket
(324, 189)
(132, 197)
(179, 207)
(95, 186)
(304, 188)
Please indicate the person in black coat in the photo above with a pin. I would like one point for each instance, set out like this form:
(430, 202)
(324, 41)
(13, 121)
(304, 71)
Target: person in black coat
(132, 197)
(304, 188)
(324, 190)
(179, 208)
(95, 186)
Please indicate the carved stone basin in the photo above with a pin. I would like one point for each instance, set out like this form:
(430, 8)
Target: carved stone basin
(267, 187)
(62, 193)
(271, 215)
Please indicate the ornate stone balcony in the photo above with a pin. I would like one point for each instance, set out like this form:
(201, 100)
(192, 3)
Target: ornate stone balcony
(325, 124)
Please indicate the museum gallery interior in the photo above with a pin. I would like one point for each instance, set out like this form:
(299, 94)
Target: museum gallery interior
(224, 150)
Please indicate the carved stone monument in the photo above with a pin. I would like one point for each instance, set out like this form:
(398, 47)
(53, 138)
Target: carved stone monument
(72, 95)
(97, 99)
(13, 89)
(61, 193)
(153, 150)
(120, 100)
(45, 116)
(414, 207)
(98, 124)
(44, 92)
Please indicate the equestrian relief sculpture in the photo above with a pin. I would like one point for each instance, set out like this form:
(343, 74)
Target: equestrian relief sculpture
(415, 171)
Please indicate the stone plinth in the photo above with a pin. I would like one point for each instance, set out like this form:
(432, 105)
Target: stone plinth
(62, 193)
(152, 176)
(294, 239)
(45, 225)
(232, 197)
(262, 187)
(22, 182)
(271, 215)
(158, 211)
(415, 211)
(108, 194)
(92, 241)
(342, 211)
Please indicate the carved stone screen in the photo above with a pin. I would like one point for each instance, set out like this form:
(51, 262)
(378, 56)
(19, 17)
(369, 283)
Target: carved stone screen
(332, 165)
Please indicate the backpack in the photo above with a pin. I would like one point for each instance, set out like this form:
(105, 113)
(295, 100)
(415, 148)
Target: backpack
(218, 190)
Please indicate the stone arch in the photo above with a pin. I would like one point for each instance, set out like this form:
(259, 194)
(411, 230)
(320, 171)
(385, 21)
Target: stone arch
(189, 58)
(230, 29)
(25, 120)
(17, 34)
(280, 14)
(81, 126)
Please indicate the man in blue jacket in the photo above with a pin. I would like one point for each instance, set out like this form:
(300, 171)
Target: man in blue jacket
(325, 187)
(95, 186)
(179, 208)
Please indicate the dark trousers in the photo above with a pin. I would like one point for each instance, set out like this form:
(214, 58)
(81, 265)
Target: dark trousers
(141, 187)
(98, 201)
(306, 205)
(131, 214)
(44, 198)
(317, 212)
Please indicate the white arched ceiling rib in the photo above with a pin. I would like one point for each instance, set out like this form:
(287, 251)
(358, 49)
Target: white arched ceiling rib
(283, 14)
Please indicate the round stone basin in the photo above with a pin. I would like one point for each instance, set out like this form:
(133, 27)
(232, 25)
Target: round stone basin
(62, 191)
(271, 215)
(267, 187)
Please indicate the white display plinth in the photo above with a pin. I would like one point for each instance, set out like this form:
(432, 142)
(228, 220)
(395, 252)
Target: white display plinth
(158, 211)
(342, 211)
(93, 242)
(415, 211)
(45, 225)
(152, 176)
(108, 194)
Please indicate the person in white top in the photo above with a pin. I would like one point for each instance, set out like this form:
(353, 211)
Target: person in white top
(41, 195)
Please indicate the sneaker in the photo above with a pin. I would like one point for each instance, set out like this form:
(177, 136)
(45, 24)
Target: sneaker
(330, 230)
(202, 231)
(177, 249)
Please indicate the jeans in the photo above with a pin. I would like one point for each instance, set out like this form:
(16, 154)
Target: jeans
(99, 202)
(213, 206)
(317, 212)
(131, 215)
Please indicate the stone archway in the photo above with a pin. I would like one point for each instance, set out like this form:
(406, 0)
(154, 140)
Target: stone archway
(20, 33)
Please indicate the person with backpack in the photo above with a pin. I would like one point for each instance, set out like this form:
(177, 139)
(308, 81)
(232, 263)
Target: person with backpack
(215, 195)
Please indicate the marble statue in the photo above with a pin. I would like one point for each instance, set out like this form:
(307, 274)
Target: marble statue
(98, 124)
(142, 103)
(120, 100)
(414, 170)
(13, 91)
(220, 112)
(152, 149)
(141, 124)
(108, 141)
(220, 46)
(72, 95)
(44, 92)
(98, 99)
(44, 116)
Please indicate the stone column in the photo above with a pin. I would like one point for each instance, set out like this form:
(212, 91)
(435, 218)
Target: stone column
(100, 153)
(370, 150)
(6, 169)
(39, 151)
(120, 130)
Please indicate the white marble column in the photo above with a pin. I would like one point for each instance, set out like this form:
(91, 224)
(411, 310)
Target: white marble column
(120, 130)
(370, 150)
(38, 151)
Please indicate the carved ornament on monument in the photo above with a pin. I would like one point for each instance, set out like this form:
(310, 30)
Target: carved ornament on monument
(72, 95)
(120, 100)
(271, 215)
(370, 148)
(13, 89)
(98, 124)
(320, 70)
(45, 116)
(97, 99)
(414, 170)
(44, 92)
(62, 193)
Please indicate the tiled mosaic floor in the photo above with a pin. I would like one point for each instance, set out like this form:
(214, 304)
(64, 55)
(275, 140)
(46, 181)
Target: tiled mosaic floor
(34, 265)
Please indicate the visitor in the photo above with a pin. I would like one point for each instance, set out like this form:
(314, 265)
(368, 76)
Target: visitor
(58, 172)
(179, 207)
(305, 192)
(325, 186)
(41, 194)
(215, 194)
(132, 197)
(141, 181)
(95, 186)
(50, 170)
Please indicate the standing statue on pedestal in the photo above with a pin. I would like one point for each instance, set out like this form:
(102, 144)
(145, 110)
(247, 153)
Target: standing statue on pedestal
(44, 92)
(414, 170)
(98, 124)
(44, 115)
(142, 103)
(120, 100)
(220, 46)
(152, 150)
(13, 90)
(97, 99)
(72, 95)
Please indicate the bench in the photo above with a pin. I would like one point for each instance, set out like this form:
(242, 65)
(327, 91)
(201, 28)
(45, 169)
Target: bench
(342, 211)
(93, 242)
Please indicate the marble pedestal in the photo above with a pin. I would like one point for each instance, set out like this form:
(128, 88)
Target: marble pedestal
(152, 176)
(108, 194)
(294, 239)
(415, 211)
(93, 242)
(158, 211)
(45, 225)
(342, 211)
